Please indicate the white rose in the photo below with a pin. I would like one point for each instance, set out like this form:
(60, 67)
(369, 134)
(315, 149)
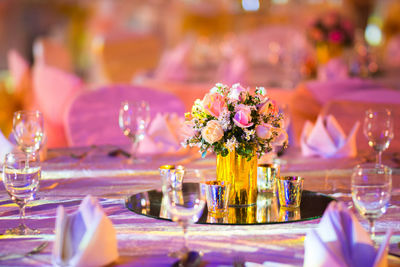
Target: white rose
(264, 131)
(213, 132)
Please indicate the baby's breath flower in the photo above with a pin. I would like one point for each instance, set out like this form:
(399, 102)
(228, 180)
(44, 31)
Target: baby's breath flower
(231, 144)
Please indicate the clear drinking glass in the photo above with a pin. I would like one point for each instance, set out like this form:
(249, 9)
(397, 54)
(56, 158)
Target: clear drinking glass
(28, 130)
(378, 128)
(371, 186)
(185, 209)
(21, 176)
(134, 117)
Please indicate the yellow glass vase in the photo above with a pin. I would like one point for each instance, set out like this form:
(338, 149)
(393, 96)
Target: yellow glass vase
(327, 51)
(242, 175)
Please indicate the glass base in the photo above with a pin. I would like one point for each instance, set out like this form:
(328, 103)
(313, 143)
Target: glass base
(22, 229)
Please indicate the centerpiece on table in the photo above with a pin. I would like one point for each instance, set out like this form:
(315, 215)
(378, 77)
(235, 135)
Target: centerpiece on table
(331, 33)
(239, 125)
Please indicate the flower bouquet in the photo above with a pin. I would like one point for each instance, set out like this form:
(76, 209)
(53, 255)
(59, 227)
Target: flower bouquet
(239, 126)
(330, 33)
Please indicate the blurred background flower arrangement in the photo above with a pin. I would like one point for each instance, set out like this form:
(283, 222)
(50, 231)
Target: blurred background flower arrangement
(236, 119)
(330, 33)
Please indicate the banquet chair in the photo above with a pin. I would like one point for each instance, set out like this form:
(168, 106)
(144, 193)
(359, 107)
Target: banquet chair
(92, 118)
(51, 52)
(309, 98)
(122, 55)
(351, 108)
(54, 89)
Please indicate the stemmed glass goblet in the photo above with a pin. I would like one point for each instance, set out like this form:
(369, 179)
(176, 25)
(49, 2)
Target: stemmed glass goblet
(378, 128)
(21, 176)
(134, 117)
(28, 130)
(184, 207)
(371, 186)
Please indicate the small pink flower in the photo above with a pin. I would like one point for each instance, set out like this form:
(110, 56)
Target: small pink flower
(264, 131)
(268, 107)
(281, 138)
(242, 117)
(336, 37)
(213, 132)
(237, 92)
(214, 104)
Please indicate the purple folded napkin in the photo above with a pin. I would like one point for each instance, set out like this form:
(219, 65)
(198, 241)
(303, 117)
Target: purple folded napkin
(340, 240)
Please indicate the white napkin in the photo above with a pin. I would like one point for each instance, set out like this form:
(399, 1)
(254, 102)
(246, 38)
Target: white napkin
(5, 146)
(86, 237)
(163, 135)
(340, 240)
(334, 69)
(327, 139)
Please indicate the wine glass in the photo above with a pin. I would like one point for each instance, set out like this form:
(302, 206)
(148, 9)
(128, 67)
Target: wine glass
(134, 117)
(28, 130)
(371, 186)
(21, 176)
(378, 128)
(184, 206)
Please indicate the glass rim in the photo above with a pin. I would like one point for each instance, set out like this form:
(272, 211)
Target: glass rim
(291, 178)
(372, 166)
(26, 112)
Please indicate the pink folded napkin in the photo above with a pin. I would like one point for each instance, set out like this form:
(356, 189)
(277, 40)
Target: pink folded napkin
(340, 240)
(5, 146)
(327, 139)
(173, 64)
(334, 69)
(163, 136)
(86, 237)
(19, 67)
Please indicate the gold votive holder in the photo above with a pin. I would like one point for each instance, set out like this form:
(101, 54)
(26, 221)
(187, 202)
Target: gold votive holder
(290, 189)
(266, 176)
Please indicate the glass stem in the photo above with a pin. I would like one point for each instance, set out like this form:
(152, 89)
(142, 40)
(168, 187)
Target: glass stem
(185, 237)
(22, 214)
(379, 157)
(372, 228)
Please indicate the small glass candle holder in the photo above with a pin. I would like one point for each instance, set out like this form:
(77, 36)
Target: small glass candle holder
(172, 176)
(266, 176)
(217, 196)
(290, 189)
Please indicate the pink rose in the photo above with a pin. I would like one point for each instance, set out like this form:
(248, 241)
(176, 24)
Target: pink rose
(213, 104)
(242, 117)
(237, 91)
(213, 132)
(281, 138)
(269, 107)
(264, 131)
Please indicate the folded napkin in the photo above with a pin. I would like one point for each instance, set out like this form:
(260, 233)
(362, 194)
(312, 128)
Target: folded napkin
(327, 139)
(340, 240)
(5, 146)
(163, 135)
(86, 237)
(334, 69)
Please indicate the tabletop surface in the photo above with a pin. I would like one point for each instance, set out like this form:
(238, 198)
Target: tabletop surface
(69, 174)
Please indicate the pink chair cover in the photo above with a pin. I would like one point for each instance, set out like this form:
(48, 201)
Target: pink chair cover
(93, 116)
(54, 90)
